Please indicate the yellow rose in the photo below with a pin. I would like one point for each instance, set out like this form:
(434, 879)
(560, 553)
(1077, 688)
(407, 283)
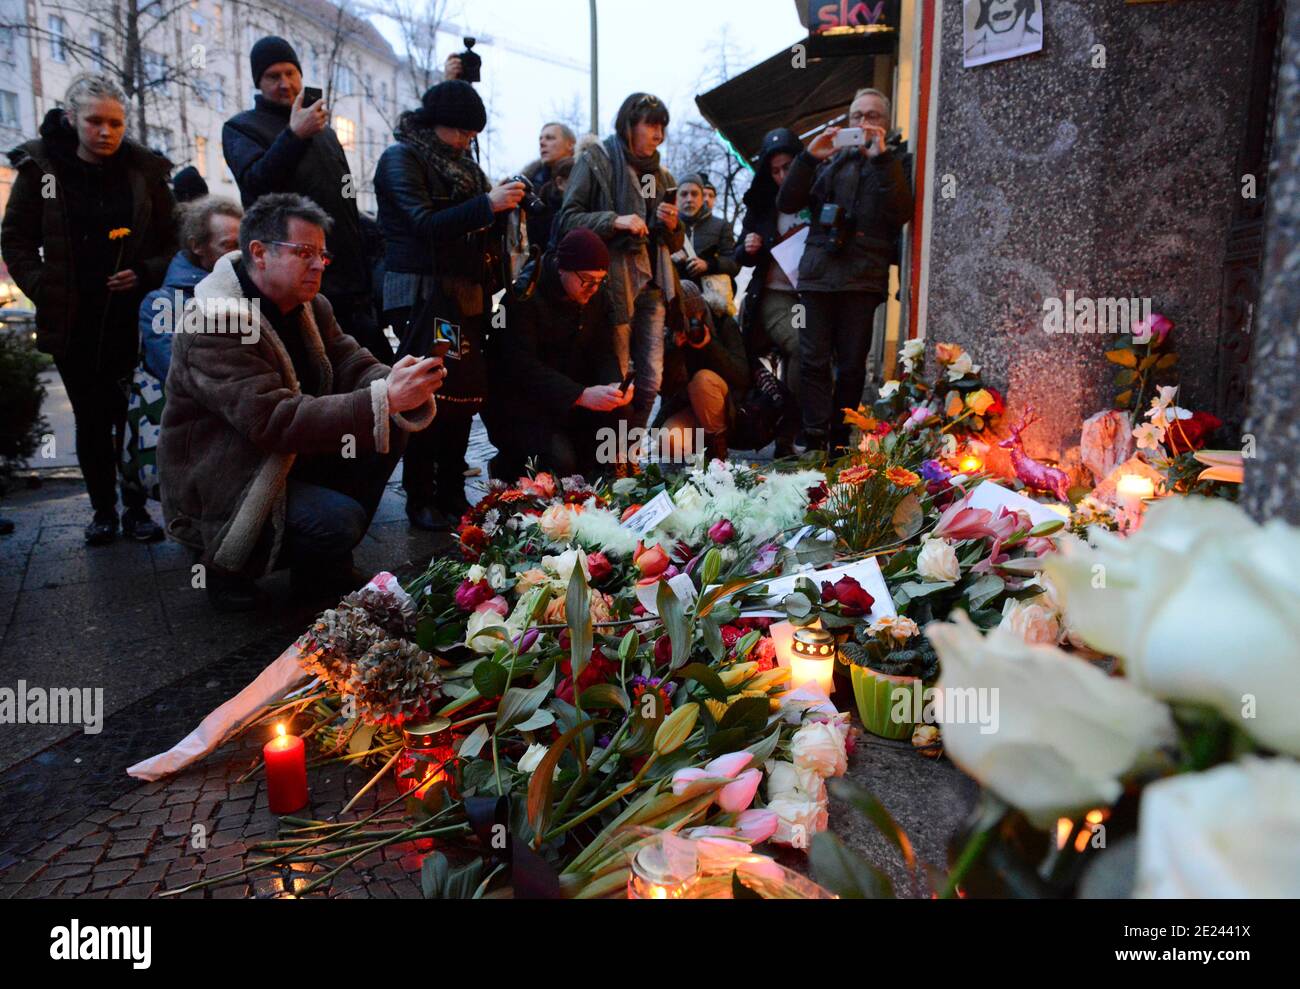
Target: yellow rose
(980, 401)
(557, 524)
(948, 352)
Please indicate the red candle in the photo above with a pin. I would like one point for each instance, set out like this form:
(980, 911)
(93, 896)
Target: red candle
(286, 772)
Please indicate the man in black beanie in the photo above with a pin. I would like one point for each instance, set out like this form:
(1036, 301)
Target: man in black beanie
(282, 146)
(188, 185)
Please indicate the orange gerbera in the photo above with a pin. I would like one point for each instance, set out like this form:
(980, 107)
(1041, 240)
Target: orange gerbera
(854, 476)
(902, 477)
(117, 233)
(858, 417)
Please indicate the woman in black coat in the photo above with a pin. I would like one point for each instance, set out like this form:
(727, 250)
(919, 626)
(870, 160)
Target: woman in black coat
(436, 211)
(88, 231)
(767, 315)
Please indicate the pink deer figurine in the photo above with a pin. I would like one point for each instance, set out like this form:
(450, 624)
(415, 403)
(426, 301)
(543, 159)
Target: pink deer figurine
(1038, 476)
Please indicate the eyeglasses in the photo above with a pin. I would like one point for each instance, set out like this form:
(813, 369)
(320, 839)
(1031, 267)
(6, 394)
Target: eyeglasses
(587, 282)
(305, 252)
(873, 117)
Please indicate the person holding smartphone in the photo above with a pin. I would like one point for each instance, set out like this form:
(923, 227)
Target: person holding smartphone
(285, 144)
(859, 198)
(555, 379)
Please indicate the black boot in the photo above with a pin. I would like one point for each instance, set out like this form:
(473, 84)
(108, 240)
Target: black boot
(137, 525)
(715, 447)
(232, 594)
(328, 579)
(102, 529)
(426, 518)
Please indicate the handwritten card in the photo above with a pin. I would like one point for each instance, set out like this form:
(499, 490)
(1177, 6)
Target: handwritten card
(650, 514)
(990, 497)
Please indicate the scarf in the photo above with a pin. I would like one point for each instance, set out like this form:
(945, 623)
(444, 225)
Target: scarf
(627, 197)
(457, 167)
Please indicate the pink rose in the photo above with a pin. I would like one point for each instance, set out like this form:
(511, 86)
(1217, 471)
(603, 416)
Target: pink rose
(599, 567)
(722, 532)
(470, 596)
(497, 604)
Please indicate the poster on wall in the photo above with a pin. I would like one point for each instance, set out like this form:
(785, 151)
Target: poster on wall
(1001, 29)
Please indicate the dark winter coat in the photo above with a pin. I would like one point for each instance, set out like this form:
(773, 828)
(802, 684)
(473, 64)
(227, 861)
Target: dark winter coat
(266, 156)
(236, 418)
(36, 237)
(714, 242)
(875, 193)
(724, 355)
(159, 313)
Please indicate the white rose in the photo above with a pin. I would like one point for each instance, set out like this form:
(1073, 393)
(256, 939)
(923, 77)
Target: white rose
(625, 485)
(888, 389)
(530, 760)
(479, 621)
(1034, 620)
(913, 349)
(497, 577)
(938, 561)
(1230, 833)
(798, 818)
(1202, 605)
(819, 747)
(785, 779)
(562, 565)
(961, 367)
(1046, 732)
(475, 573)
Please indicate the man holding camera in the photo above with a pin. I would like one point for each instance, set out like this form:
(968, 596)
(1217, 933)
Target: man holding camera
(706, 372)
(285, 144)
(860, 198)
(555, 378)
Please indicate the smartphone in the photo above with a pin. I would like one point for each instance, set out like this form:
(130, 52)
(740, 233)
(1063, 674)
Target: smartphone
(440, 348)
(627, 381)
(311, 96)
(670, 196)
(850, 137)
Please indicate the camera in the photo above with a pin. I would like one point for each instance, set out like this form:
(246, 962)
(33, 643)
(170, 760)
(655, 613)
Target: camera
(839, 222)
(695, 331)
(530, 203)
(471, 65)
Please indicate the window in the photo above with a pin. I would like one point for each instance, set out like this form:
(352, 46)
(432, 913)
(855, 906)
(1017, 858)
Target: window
(197, 19)
(346, 130)
(98, 45)
(201, 156)
(344, 84)
(218, 24)
(58, 39)
(383, 96)
(8, 54)
(9, 110)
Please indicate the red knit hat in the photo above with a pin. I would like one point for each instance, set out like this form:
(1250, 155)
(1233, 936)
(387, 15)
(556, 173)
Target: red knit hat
(582, 250)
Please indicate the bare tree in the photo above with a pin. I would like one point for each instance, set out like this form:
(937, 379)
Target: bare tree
(694, 147)
(137, 44)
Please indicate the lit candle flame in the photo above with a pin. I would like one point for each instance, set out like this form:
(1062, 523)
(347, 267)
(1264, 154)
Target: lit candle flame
(279, 730)
(1136, 486)
(971, 464)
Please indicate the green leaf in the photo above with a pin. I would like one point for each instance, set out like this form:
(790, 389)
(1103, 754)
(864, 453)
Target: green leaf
(602, 696)
(712, 638)
(426, 635)
(541, 718)
(707, 678)
(361, 738)
(746, 643)
(462, 882)
(985, 590)
(577, 610)
(1166, 362)
(1047, 528)
(722, 742)
(764, 748)
(855, 654)
(798, 605)
(673, 614)
(1125, 377)
(1148, 362)
(490, 679)
(921, 589)
(1123, 398)
(539, 787)
(433, 875)
(1124, 358)
(844, 873)
(749, 713)
(518, 704)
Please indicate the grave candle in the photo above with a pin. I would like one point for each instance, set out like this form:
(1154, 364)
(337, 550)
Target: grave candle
(286, 772)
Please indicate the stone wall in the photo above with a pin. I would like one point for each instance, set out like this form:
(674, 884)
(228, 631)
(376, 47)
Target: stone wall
(1111, 182)
(1272, 480)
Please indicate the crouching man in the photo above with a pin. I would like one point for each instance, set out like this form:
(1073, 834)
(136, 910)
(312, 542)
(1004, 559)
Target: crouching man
(280, 431)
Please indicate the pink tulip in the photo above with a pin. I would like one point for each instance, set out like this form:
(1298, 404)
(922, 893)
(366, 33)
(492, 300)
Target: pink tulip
(728, 765)
(737, 795)
(756, 826)
(685, 779)
(1153, 330)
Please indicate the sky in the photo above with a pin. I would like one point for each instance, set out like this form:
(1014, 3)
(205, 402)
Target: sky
(657, 46)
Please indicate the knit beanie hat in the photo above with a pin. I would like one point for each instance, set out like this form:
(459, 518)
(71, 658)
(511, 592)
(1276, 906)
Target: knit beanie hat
(693, 300)
(582, 250)
(453, 103)
(188, 185)
(267, 52)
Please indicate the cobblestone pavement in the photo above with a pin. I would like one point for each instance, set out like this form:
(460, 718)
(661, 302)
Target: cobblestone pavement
(73, 824)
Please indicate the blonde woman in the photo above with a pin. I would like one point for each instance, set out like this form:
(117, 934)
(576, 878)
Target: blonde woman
(88, 231)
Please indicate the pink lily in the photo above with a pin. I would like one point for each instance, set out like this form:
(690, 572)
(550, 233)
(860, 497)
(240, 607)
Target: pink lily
(723, 767)
(960, 522)
(497, 604)
(756, 826)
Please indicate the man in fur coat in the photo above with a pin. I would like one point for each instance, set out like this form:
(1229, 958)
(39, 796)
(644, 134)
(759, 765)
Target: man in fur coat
(280, 431)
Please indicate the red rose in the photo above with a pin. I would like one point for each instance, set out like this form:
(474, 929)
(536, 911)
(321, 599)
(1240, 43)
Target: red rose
(722, 532)
(663, 650)
(599, 567)
(470, 596)
(818, 495)
(854, 601)
(1190, 434)
(999, 403)
(731, 635)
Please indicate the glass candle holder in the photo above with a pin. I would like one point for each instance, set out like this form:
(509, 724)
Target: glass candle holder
(428, 757)
(654, 877)
(812, 658)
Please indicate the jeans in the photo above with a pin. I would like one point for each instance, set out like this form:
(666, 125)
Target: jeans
(331, 502)
(776, 312)
(838, 334)
(99, 402)
(642, 342)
